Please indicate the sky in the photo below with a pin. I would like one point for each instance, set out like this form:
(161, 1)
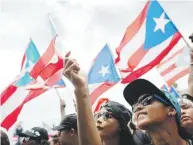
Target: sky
(84, 27)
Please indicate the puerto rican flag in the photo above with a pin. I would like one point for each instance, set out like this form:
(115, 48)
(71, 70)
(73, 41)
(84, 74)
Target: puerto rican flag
(48, 69)
(175, 65)
(146, 42)
(12, 101)
(174, 92)
(31, 56)
(102, 75)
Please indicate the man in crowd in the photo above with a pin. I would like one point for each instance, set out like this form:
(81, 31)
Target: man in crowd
(67, 130)
(35, 136)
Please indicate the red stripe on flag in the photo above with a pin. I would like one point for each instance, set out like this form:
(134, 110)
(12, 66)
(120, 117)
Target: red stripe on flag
(23, 60)
(171, 57)
(169, 69)
(135, 59)
(132, 31)
(5, 95)
(100, 90)
(178, 76)
(54, 78)
(51, 68)
(44, 60)
(139, 72)
(12, 117)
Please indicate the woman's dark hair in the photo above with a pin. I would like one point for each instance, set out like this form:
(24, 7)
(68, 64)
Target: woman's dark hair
(4, 139)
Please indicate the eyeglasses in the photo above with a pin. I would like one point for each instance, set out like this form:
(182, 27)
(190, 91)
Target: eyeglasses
(105, 115)
(185, 103)
(148, 99)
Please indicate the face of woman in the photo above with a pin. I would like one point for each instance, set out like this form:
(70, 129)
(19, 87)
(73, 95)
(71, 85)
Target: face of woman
(149, 112)
(106, 123)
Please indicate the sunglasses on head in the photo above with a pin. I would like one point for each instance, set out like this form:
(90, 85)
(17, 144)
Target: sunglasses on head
(105, 115)
(185, 103)
(148, 99)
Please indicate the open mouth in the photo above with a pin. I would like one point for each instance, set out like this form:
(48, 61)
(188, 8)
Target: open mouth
(99, 128)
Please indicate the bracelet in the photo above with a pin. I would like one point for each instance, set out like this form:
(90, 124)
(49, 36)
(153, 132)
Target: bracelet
(64, 106)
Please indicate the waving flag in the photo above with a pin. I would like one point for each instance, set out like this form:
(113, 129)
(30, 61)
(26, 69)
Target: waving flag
(12, 101)
(146, 42)
(165, 87)
(175, 65)
(102, 75)
(30, 57)
(174, 92)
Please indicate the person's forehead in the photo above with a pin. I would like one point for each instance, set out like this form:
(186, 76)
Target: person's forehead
(101, 111)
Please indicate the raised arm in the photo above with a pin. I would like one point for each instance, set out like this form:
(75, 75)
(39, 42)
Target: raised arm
(190, 78)
(62, 108)
(87, 131)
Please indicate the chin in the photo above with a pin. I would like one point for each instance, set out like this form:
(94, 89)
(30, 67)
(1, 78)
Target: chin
(143, 124)
(186, 124)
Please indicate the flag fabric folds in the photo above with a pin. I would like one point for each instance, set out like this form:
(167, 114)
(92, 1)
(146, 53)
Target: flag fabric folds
(102, 75)
(146, 42)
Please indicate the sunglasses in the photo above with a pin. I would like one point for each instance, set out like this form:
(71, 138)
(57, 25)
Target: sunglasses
(148, 99)
(105, 115)
(185, 103)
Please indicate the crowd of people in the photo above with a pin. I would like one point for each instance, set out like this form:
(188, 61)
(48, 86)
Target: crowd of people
(157, 116)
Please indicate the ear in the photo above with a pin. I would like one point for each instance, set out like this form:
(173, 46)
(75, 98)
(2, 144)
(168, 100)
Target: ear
(72, 132)
(171, 111)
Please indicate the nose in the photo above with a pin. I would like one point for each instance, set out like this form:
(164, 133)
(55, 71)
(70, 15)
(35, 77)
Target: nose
(99, 120)
(183, 111)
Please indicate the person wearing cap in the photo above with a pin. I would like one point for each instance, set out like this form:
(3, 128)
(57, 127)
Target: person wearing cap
(67, 130)
(112, 123)
(110, 127)
(186, 103)
(156, 111)
(35, 136)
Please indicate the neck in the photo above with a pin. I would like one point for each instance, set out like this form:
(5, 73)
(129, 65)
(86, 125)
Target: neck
(189, 130)
(75, 142)
(115, 140)
(165, 134)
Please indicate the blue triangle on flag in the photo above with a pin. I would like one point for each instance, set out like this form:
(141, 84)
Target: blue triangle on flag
(31, 57)
(159, 27)
(174, 92)
(103, 68)
(60, 83)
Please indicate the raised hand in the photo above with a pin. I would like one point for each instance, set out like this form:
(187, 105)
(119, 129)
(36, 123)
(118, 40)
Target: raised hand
(72, 72)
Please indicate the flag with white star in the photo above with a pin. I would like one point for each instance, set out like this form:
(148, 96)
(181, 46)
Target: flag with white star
(30, 57)
(146, 42)
(103, 74)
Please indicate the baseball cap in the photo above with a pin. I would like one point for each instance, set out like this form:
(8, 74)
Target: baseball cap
(38, 133)
(141, 86)
(120, 111)
(69, 121)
